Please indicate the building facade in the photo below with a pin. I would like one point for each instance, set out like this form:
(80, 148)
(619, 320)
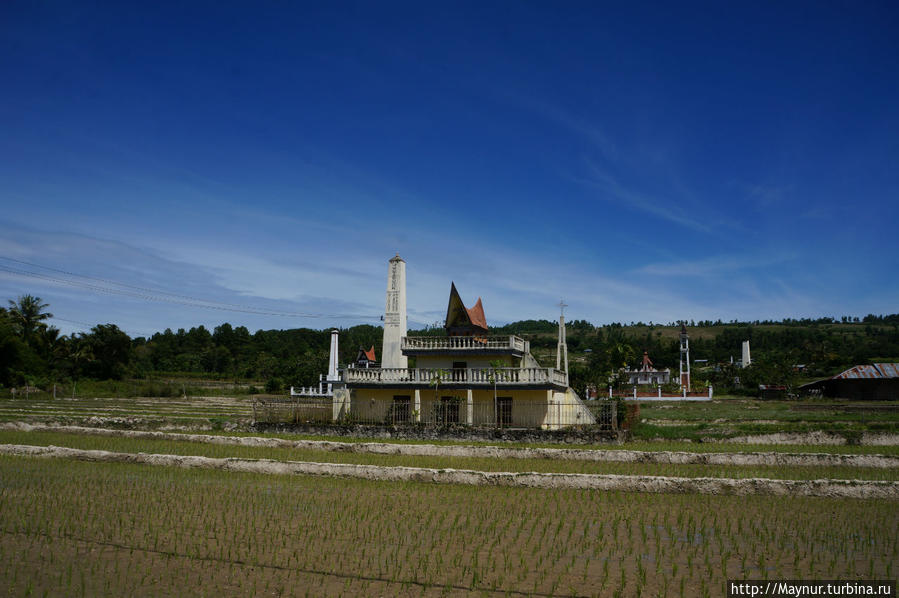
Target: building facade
(647, 374)
(465, 377)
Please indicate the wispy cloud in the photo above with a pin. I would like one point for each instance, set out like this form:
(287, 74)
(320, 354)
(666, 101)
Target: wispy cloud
(714, 266)
(612, 190)
(767, 195)
(603, 149)
(593, 133)
(818, 213)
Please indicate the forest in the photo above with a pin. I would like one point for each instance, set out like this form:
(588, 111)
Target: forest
(788, 352)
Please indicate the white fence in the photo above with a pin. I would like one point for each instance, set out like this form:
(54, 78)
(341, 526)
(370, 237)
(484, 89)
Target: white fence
(481, 376)
(465, 343)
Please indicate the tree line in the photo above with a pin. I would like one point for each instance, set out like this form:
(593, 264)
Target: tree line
(34, 352)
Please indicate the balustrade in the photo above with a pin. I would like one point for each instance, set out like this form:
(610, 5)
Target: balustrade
(464, 343)
(479, 376)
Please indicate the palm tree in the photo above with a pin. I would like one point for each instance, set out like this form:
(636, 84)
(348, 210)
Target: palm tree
(27, 314)
(79, 355)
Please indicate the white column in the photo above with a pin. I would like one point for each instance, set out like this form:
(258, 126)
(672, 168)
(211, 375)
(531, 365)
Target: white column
(416, 406)
(395, 315)
(553, 419)
(469, 407)
(333, 358)
(340, 403)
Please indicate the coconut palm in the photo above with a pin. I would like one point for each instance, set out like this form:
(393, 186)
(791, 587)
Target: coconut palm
(27, 314)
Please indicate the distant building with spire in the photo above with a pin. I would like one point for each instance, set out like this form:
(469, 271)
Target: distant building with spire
(647, 374)
(684, 357)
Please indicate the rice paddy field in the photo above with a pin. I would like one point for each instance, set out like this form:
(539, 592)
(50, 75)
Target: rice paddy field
(88, 529)
(736, 417)
(147, 411)
(76, 528)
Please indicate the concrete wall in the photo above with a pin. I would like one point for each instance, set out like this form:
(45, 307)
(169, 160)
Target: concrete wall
(545, 409)
(373, 404)
(568, 410)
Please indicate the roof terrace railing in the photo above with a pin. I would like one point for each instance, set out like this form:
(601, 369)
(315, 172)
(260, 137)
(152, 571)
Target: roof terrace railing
(464, 343)
(463, 376)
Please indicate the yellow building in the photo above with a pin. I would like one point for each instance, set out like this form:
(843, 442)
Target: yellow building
(466, 376)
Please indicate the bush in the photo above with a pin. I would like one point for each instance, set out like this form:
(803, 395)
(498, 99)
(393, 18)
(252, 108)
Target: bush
(274, 384)
(628, 414)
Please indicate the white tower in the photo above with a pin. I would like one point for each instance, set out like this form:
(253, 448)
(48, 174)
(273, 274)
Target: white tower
(684, 358)
(747, 361)
(332, 360)
(395, 315)
(562, 348)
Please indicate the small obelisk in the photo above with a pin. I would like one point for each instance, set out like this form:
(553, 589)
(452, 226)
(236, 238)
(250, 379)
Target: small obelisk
(395, 315)
(747, 360)
(332, 358)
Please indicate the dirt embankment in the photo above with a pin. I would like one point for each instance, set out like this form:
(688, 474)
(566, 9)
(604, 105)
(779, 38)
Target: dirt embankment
(819, 437)
(431, 450)
(654, 484)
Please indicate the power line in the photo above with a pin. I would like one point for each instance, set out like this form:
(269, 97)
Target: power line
(108, 287)
(84, 326)
(113, 282)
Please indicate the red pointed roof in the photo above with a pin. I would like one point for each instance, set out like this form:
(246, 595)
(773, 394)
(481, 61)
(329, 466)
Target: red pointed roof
(370, 354)
(476, 314)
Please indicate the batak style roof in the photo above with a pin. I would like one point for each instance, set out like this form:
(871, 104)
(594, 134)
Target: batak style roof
(364, 355)
(460, 317)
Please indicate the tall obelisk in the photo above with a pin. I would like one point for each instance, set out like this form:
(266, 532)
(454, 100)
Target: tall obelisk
(395, 315)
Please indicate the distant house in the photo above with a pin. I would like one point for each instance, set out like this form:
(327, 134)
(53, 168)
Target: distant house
(772, 391)
(647, 374)
(366, 359)
(866, 382)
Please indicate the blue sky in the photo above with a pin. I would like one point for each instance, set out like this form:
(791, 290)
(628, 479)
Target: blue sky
(643, 161)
